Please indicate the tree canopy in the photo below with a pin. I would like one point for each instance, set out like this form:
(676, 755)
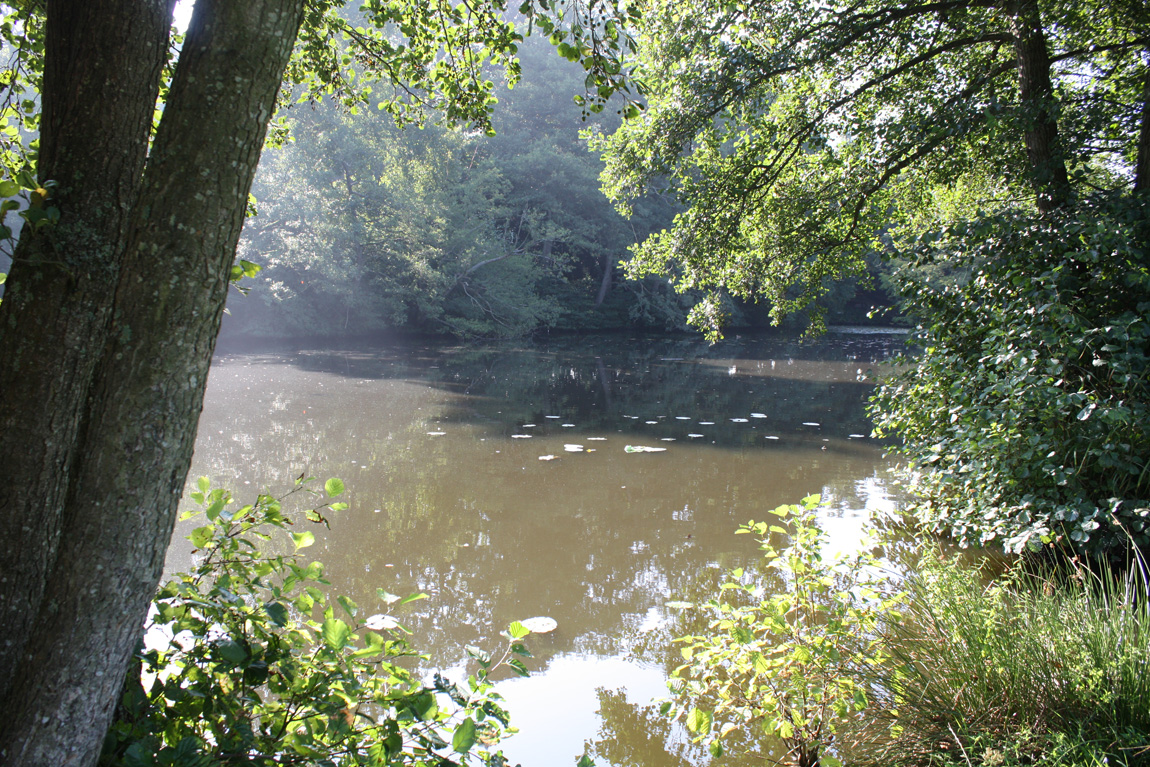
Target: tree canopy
(804, 136)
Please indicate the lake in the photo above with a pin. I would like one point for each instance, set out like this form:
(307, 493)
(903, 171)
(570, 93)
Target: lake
(495, 478)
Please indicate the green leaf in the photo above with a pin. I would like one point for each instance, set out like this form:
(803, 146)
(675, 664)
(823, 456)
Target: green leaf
(303, 540)
(348, 605)
(517, 630)
(335, 633)
(277, 612)
(231, 651)
(333, 487)
(699, 721)
(9, 188)
(204, 484)
(413, 598)
(464, 737)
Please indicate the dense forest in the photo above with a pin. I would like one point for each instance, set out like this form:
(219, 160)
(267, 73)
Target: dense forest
(363, 226)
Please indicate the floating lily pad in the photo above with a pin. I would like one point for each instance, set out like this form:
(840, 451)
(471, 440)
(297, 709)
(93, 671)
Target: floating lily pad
(644, 449)
(573, 448)
(540, 625)
(380, 622)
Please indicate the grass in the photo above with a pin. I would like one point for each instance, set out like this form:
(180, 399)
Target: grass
(1048, 667)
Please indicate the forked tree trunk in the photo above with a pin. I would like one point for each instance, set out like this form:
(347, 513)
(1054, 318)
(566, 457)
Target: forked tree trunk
(139, 423)
(101, 76)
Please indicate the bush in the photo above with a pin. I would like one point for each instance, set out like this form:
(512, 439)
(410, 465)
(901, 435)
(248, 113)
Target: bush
(1024, 415)
(257, 668)
(788, 664)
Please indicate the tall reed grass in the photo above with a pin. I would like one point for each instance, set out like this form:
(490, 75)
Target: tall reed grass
(1046, 667)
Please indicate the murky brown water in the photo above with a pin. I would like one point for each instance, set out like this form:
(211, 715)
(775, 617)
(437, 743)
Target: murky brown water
(440, 449)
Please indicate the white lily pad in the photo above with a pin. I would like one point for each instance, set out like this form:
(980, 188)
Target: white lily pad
(644, 449)
(380, 622)
(540, 625)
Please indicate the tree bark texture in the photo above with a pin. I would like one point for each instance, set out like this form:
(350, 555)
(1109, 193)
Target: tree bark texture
(1039, 106)
(1142, 157)
(142, 408)
(103, 63)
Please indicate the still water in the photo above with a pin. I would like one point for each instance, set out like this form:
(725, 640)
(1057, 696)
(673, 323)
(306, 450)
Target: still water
(494, 478)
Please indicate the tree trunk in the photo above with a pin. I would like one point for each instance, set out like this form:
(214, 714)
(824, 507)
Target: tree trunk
(147, 391)
(1142, 161)
(1039, 106)
(101, 76)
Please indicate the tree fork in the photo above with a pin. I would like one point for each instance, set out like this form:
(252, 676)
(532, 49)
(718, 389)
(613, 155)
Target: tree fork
(102, 71)
(148, 386)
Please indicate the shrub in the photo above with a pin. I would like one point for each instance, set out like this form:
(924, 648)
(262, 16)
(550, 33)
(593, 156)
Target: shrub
(1025, 414)
(258, 668)
(786, 664)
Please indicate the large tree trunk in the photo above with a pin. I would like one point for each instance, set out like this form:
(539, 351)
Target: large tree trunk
(147, 391)
(1039, 105)
(101, 76)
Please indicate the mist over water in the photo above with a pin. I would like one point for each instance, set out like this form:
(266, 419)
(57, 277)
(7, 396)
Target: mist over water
(441, 448)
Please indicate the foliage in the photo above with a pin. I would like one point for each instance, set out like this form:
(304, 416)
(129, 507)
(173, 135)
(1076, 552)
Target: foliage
(797, 134)
(1024, 668)
(248, 660)
(787, 664)
(365, 227)
(1025, 414)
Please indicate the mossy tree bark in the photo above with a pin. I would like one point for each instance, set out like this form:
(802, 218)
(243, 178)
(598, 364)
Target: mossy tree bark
(132, 409)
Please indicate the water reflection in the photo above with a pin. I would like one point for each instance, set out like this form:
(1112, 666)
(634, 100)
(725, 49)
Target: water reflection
(440, 449)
